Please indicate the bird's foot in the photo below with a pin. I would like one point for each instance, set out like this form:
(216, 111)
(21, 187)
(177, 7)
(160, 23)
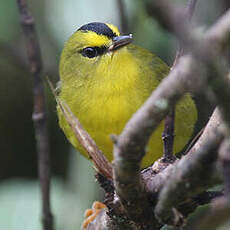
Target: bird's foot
(90, 214)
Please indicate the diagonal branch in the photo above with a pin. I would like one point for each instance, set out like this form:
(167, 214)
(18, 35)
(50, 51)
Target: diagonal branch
(185, 182)
(130, 146)
(101, 163)
(39, 114)
(155, 183)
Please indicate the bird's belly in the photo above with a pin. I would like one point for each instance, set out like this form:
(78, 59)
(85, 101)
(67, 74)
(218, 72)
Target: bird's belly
(107, 116)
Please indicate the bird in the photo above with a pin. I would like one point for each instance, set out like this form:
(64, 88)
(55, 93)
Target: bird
(105, 79)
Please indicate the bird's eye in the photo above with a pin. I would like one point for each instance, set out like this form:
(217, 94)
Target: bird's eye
(89, 52)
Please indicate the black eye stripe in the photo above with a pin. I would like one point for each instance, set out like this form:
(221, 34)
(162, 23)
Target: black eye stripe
(91, 52)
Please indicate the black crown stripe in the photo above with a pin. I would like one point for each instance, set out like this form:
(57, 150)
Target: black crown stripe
(99, 28)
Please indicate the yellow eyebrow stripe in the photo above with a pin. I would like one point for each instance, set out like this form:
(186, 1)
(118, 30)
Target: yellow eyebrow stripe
(113, 28)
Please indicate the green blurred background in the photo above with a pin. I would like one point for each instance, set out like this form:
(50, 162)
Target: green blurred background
(73, 185)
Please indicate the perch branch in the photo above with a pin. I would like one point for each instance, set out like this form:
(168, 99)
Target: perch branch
(39, 114)
(154, 183)
(145, 120)
(129, 146)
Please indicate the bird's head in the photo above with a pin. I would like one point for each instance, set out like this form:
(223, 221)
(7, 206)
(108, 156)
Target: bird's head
(91, 45)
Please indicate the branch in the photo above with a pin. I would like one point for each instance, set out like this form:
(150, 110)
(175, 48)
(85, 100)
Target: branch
(185, 182)
(225, 163)
(219, 36)
(94, 153)
(130, 146)
(215, 217)
(39, 114)
(168, 137)
(190, 8)
(171, 18)
(122, 16)
(168, 133)
(173, 179)
(154, 183)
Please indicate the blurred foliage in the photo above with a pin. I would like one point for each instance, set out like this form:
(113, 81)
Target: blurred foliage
(74, 187)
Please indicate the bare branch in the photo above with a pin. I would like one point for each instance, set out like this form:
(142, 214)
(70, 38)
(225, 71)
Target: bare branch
(130, 145)
(39, 114)
(101, 163)
(122, 16)
(171, 17)
(156, 182)
(168, 137)
(168, 133)
(185, 182)
(225, 163)
(190, 8)
(215, 217)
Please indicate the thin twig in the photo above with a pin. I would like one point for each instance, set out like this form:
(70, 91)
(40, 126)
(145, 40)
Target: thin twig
(168, 136)
(39, 114)
(190, 8)
(168, 133)
(101, 163)
(122, 16)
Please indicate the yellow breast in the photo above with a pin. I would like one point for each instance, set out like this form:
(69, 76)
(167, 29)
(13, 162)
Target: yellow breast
(115, 86)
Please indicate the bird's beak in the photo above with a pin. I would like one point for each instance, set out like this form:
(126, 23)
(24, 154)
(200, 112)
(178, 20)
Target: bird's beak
(120, 41)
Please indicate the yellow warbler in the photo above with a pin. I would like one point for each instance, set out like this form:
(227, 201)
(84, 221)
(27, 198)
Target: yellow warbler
(105, 79)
